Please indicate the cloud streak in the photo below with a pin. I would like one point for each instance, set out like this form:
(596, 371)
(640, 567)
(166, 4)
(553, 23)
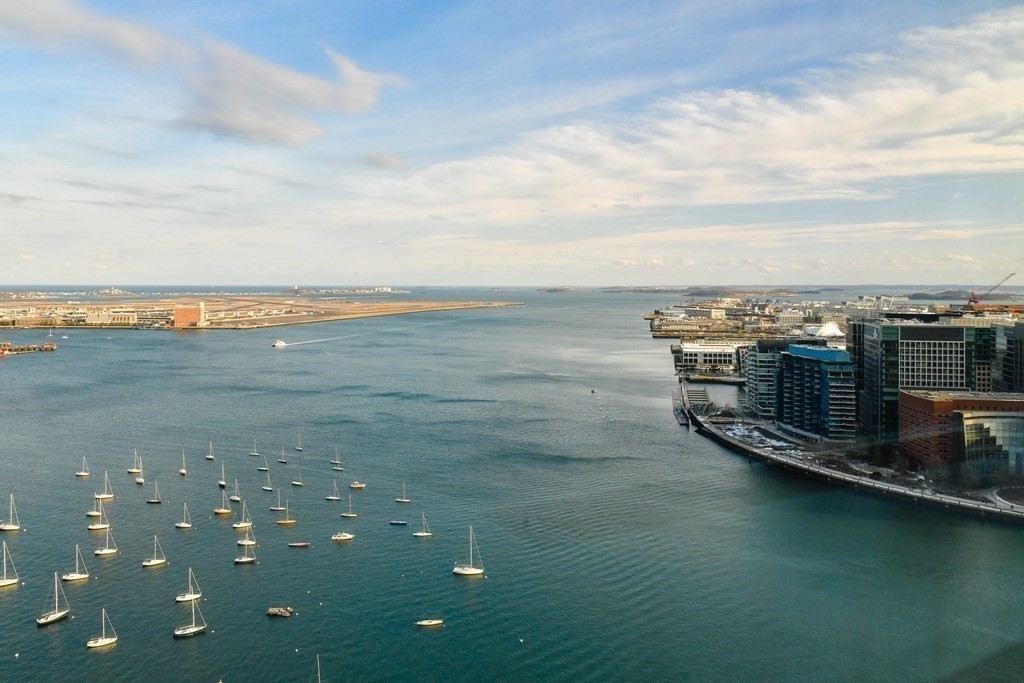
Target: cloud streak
(231, 92)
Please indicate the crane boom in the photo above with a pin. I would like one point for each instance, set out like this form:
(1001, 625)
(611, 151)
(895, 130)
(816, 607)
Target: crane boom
(977, 299)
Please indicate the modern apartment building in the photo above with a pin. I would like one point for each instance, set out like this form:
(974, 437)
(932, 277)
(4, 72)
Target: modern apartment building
(815, 395)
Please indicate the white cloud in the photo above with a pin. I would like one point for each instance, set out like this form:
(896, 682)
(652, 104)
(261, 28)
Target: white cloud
(233, 92)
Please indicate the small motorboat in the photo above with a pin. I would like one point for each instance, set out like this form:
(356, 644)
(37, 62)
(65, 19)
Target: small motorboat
(299, 544)
(430, 622)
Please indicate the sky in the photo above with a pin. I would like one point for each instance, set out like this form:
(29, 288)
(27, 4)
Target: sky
(582, 142)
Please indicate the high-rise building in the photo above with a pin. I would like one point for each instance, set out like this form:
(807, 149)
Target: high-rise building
(190, 316)
(816, 396)
(764, 358)
(892, 355)
(1008, 364)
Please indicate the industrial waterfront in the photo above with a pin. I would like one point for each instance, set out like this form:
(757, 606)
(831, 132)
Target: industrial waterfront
(614, 540)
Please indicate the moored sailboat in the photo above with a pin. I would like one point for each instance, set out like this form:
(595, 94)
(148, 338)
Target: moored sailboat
(209, 455)
(349, 514)
(107, 493)
(186, 521)
(222, 482)
(81, 572)
(254, 452)
(425, 533)
(264, 468)
(103, 523)
(282, 459)
(246, 521)
(192, 590)
(248, 555)
(268, 486)
(84, 472)
(298, 444)
(11, 523)
(136, 464)
(8, 578)
(224, 508)
(403, 499)
(287, 521)
(158, 555)
(249, 539)
(334, 495)
(234, 497)
(109, 548)
(469, 568)
(195, 628)
(60, 609)
(104, 639)
(140, 479)
(278, 507)
(155, 500)
(183, 471)
(298, 479)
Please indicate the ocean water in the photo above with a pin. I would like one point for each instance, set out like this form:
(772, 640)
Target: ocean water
(617, 545)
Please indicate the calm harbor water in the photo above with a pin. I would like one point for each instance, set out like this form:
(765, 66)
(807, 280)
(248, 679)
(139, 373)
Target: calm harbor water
(616, 544)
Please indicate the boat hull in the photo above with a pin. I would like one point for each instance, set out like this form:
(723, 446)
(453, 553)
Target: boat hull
(72, 576)
(153, 563)
(465, 570)
(187, 597)
(342, 536)
(4, 583)
(51, 617)
(101, 642)
(188, 631)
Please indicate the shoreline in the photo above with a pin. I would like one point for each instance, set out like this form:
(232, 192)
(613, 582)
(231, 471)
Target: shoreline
(1010, 513)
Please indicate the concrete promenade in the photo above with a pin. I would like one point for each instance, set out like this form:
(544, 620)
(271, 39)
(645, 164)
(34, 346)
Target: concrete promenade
(989, 510)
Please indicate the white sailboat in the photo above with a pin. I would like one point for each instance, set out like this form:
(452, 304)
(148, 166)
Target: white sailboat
(254, 451)
(109, 548)
(224, 508)
(97, 508)
(104, 521)
(349, 513)
(195, 627)
(249, 538)
(140, 479)
(282, 459)
(246, 521)
(192, 591)
(60, 609)
(222, 482)
(11, 523)
(104, 639)
(278, 507)
(234, 497)
(209, 455)
(298, 445)
(334, 495)
(403, 499)
(298, 480)
(155, 500)
(287, 521)
(8, 578)
(186, 521)
(108, 493)
(158, 555)
(470, 569)
(337, 461)
(81, 572)
(425, 533)
(84, 472)
(264, 468)
(268, 486)
(136, 465)
(248, 555)
(183, 471)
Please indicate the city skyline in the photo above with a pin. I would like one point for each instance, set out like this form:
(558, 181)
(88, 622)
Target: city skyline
(466, 143)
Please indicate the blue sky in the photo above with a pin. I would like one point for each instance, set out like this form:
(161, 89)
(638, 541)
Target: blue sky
(515, 143)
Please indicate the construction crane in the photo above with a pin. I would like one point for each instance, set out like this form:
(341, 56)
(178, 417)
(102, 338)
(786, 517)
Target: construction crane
(974, 300)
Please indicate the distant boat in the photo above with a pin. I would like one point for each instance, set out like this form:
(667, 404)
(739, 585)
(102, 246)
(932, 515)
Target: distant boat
(342, 536)
(103, 523)
(268, 486)
(155, 500)
(298, 444)
(279, 344)
(8, 578)
(12, 523)
(299, 544)
(192, 590)
(186, 521)
(60, 609)
(470, 569)
(334, 496)
(195, 628)
(282, 459)
(287, 521)
(349, 514)
(224, 508)
(81, 572)
(278, 507)
(158, 555)
(246, 521)
(357, 485)
(234, 497)
(221, 482)
(298, 479)
(209, 455)
(430, 622)
(136, 465)
(398, 522)
(84, 472)
(254, 451)
(337, 460)
(97, 508)
(403, 499)
(426, 530)
(109, 548)
(183, 471)
(249, 538)
(264, 468)
(104, 639)
(139, 479)
(108, 493)
(247, 557)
